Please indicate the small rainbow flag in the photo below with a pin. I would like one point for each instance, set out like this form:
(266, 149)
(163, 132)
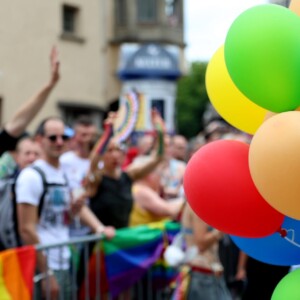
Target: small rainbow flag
(17, 268)
(127, 116)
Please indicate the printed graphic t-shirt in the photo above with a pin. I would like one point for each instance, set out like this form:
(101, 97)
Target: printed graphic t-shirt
(53, 225)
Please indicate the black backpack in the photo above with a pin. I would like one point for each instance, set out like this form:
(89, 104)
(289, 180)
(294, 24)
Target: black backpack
(9, 235)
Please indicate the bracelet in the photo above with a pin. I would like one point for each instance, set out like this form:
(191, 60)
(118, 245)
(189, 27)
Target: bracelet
(42, 276)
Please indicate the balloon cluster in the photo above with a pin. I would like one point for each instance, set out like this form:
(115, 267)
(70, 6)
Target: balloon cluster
(252, 192)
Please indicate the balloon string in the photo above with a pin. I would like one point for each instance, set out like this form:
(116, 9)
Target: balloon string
(292, 242)
(292, 239)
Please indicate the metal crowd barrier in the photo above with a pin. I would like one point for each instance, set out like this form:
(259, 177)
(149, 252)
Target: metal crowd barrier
(142, 290)
(81, 245)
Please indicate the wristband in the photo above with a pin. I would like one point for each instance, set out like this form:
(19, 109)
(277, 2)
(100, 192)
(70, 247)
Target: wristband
(42, 276)
(160, 149)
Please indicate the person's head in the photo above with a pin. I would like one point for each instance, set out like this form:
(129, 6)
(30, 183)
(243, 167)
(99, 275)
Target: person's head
(145, 144)
(85, 131)
(179, 147)
(51, 136)
(195, 144)
(237, 136)
(27, 151)
(215, 130)
(114, 155)
(153, 178)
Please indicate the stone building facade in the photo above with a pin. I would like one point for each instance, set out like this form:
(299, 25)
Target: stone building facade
(90, 36)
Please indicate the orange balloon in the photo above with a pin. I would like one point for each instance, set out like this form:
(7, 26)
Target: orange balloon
(274, 161)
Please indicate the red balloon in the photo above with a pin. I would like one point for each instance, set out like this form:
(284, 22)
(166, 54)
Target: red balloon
(220, 190)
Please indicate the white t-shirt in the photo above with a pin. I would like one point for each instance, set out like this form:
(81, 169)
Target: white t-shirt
(172, 178)
(74, 167)
(53, 226)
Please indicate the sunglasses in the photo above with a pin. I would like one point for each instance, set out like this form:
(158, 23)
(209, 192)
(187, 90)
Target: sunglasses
(53, 137)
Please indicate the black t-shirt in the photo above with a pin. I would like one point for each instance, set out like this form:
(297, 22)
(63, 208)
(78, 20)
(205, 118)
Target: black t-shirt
(7, 142)
(113, 202)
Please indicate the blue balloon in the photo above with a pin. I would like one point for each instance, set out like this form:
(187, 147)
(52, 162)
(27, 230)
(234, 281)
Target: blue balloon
(281, 248)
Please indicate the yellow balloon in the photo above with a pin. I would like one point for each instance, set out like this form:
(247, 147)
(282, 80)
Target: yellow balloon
(226, 98)
(274, 161)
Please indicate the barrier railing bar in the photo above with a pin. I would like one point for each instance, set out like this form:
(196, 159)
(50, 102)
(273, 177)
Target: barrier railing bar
(98, 273)
(86, 272)
(73, 241)
(48, 296)
(61, 295)
(74, 278)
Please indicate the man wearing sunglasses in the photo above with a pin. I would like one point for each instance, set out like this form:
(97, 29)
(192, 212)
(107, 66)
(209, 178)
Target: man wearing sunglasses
(51, 225)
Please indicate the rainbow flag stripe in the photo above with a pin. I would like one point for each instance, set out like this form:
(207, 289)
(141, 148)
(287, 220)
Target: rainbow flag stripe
(131, 106)
(17, 268)
(102, 143)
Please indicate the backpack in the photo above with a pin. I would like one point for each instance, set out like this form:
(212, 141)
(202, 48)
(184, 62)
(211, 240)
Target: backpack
(9, 235)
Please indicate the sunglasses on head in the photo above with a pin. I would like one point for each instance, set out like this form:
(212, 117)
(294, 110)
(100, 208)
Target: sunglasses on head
(53, 137)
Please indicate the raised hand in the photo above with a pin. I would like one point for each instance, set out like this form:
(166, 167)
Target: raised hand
(110, 119)
(54, 63)
(157, 120)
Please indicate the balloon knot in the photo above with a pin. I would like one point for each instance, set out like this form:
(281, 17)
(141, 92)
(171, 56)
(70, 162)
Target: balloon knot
(282, 232)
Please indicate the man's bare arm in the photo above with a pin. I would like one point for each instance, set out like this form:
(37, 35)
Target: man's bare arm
(24, 115)
(27, 218)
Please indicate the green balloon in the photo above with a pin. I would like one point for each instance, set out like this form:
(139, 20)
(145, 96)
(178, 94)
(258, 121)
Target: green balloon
(262, 55)
(288, 287)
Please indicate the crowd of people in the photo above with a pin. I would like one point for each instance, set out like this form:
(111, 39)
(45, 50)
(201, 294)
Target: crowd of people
(71, 183)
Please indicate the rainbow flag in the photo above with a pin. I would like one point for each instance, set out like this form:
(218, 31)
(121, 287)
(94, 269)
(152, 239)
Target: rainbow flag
(131, 254)
(17, 268)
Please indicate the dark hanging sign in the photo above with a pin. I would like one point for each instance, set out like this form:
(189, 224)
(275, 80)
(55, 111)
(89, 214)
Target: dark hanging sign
(151, 60)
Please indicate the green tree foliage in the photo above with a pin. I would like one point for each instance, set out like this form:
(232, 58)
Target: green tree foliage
(191, 100)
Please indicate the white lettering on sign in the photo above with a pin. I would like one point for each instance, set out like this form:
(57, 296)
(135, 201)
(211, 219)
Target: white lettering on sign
(152, 62)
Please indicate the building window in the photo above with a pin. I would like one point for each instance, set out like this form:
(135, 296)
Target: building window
(121, 15)
(70, 19)
(70, 24)
(173, 12)
(169, 7)
(147, 10)
(159, 104)
(71, 111)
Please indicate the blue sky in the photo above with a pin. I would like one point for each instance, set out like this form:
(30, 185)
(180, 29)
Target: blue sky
(207, 23)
